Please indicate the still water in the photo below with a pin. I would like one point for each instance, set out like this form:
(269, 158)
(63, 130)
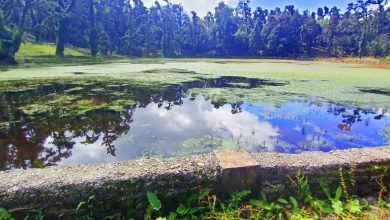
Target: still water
(172, 122)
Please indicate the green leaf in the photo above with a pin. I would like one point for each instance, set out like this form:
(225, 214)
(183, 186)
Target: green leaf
(325, 188)
(277, 207)
(192, 211)
(241, 194)
(203, 194)
(223, 207)
(193, 197)
(172, 216)
(269, 214)
(365, 202)
(263, 197)
(283, 201)
(259, 204)
(81, 204)
(182, 209)
(326, 208)
(339, 193)
(382, 202)
(5, 215)
(337, 207)
(294, 202)
(154, 201)
(280, 216)
(161, 218)
(354, 206)
(91, 199)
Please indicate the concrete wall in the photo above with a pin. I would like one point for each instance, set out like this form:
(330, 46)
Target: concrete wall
(223, 171)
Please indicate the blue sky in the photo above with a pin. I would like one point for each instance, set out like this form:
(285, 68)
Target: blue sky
(202, 6)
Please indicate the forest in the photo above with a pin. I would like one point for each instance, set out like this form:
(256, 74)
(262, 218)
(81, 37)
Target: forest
(128, 27)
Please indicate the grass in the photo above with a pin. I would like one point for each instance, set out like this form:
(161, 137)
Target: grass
(380, 62)
(30, 50)
(44, 54)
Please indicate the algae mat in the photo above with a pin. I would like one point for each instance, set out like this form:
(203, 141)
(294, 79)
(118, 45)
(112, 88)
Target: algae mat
(69, 115)
(359, 85)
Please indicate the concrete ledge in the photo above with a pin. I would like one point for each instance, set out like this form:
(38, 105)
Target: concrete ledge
(223, 171)
(239, 170)
(363, 165)
(67, 186)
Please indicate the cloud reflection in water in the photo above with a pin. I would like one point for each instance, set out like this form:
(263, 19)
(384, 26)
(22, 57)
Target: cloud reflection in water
(164, 131)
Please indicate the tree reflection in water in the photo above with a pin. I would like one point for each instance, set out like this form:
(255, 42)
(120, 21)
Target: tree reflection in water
(46, 138)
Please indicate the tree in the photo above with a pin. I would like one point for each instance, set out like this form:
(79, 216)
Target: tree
(225, 28)
(331, 29)
(361, 9)
(128, 27)
(256, 40)
(195, 32)
(326, 10)
(63, 10)
(320, 13)
(348, 35)
(282, 32)
(93, 41)
(378, 36)
(10, 41)
(310, 32)
(244, 10)
(261, 15)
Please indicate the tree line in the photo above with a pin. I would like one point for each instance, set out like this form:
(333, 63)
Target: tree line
(128, 27)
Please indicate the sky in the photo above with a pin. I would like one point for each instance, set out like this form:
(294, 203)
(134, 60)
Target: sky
(203, 6)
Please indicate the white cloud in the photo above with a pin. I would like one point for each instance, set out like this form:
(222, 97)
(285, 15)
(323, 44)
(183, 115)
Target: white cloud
(166, 131)
(244, 127)
(200, 6)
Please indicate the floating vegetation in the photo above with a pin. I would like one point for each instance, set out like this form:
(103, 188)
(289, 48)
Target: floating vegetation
(327, 81)
(66, 106)
(204, 144)
(160, 110)
(236, 95)
(120, 105)
(35, 109)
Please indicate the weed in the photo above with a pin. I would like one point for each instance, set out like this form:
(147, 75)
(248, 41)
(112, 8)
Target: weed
(301, 203)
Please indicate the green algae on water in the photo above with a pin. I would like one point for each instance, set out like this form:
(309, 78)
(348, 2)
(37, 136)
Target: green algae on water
(334, 82)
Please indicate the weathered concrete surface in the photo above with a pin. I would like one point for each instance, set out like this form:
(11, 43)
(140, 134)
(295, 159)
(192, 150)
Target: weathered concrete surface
(70, 185)
(235, 159)
(239, 170)
(224, 171)
(363, 166)
(318, 161)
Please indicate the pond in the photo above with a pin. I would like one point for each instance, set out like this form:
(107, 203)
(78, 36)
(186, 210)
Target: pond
(62, 123)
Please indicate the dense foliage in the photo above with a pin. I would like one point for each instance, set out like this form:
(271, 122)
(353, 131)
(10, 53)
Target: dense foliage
(166, 29)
